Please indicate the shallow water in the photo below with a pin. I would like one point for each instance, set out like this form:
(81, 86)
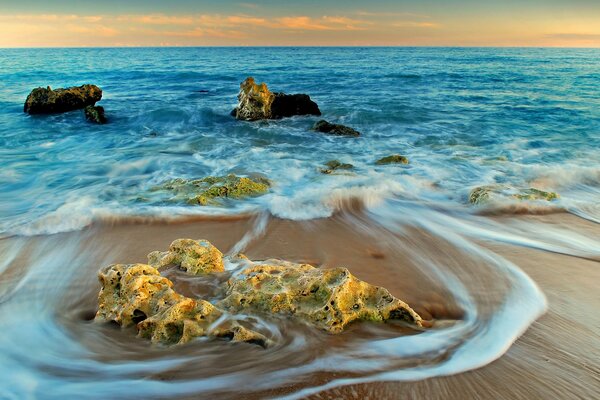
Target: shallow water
(464, 118)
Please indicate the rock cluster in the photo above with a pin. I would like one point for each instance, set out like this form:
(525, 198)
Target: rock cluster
(328, 299)
(257, 102)
(489, 193)
(207, 191)
(48, 101)
(334, 129)
(335, 165)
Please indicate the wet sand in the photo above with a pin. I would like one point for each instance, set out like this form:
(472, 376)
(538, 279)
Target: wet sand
(557, 357)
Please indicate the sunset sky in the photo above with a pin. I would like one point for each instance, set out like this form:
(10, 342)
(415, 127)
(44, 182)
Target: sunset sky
(43, 23)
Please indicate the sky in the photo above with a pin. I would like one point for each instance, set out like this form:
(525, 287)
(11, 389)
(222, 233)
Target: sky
(107, 23)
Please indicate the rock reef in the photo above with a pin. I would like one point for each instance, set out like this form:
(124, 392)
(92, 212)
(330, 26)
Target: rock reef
(48, 101)
(490, 193)
(335, 129)
(257, 102)
(328, 299)
(207, 191)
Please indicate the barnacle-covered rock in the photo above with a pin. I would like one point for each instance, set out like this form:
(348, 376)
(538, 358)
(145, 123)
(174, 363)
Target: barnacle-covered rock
(48, 101)
(136, 294)
(491, 193)
(193, 256)
(326, 298)
(207, 191)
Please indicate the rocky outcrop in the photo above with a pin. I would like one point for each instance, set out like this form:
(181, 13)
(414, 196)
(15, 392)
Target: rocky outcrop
(334, 129)
(328, 299)
(335, 165)
(207, 191)
(257, 102)
(48, 101)
(196, 257)
(393, 159)
(136, 294)
(491, 193)
(95, 114)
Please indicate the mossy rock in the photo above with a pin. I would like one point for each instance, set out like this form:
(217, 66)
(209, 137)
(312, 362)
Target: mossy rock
(196, 257)
(485, 194)
(334, 165)
(207, 191)
(393, 159)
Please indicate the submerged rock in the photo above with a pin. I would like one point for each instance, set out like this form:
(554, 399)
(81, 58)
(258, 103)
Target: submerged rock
(488, 193)
(136, 294)
(393, 159)
(48, 101)
(328, 299)
(95, 114)
(207, 190)
(257, 102)
(335, 165)
(334, 129)
(193, 256)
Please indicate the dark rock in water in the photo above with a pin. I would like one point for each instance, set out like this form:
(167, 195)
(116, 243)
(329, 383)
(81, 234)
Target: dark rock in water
(48, 101)
(257, 102)
(288, 105)
(393, 159)
(95, 114)
(335, 165)
(334, 129)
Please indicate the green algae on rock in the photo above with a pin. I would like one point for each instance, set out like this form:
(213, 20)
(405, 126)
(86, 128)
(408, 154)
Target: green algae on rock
(488, 193)
(48, 101)
(335, 129)
(136, 294)
(328, 299)
(208, 190)
(393, 159)
(196, 257)
(334, 165)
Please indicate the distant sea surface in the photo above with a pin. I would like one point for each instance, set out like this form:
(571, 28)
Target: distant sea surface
(464, 117)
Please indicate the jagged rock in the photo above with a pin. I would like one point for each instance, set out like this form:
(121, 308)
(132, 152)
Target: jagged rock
(207, 190)
(193, 256)
(488, 193)
(95, 114)
(335, 165)
(334, 129)
(393, 159)
(328, 299)
(48, 101)
(136, 294)
(257, 102)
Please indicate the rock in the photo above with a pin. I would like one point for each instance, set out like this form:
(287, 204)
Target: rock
(257, 102)
(288, 105)
(335, 165)
(48, 101)
(489, 193)
(334, 129)
(207, 190)
(328, 299)
(95, 114)
(393, 159)
(196, 257)
(136, 294)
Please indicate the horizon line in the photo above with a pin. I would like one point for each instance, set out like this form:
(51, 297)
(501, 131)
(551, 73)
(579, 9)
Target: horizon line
(306, 46)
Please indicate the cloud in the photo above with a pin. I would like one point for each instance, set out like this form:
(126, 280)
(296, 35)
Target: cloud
(319, 24)
(575, 36)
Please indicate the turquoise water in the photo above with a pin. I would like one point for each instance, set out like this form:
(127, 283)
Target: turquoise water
(519, 118)
(464, 117)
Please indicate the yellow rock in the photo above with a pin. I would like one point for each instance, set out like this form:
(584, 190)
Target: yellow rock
(193, 256)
